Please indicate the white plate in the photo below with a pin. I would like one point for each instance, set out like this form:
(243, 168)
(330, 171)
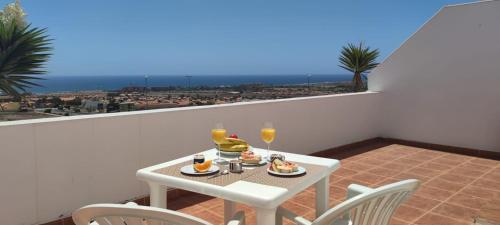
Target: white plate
(189, 170)
(301, 170)
(261, 163)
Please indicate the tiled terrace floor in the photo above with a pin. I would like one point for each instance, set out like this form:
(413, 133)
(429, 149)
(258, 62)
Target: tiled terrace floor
(454, 187)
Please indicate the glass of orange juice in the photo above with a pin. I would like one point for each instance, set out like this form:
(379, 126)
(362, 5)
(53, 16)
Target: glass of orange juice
(268, 133)
(219, 136)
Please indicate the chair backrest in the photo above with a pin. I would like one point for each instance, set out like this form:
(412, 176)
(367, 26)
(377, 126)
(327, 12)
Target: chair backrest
(118, 214)
(372, 208)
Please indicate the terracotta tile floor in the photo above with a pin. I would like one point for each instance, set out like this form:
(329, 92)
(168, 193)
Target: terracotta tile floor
(454, 187)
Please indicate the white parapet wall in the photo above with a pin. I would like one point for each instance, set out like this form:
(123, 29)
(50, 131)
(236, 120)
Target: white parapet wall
(49, 167)
(442, 85)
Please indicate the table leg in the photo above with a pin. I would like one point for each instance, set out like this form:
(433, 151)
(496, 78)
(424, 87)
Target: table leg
(229, 208)
(265, 216)
(157, 195)
(322, 195)
(279, 220)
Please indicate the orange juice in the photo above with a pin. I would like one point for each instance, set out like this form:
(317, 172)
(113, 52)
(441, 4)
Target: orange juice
(218, 135)
(268, 134)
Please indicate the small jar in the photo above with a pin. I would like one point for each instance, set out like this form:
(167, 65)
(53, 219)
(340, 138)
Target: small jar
(198, 158)
(235, 166)
(277, 156)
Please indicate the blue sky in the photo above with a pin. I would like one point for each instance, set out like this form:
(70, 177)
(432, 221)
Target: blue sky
(158, 37)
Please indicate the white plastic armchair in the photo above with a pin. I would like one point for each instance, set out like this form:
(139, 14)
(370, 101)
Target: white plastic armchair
(364, 206)
(133, 214)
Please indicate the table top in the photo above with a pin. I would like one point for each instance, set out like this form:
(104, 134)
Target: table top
(247, 190)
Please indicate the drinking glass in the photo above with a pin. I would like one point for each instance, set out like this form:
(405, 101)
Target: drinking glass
(268, 134)
(219, 136)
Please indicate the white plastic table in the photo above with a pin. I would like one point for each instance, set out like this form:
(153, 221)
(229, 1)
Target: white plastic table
(264, 198)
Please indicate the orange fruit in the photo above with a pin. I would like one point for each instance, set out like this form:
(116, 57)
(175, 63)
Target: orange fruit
(202, 167)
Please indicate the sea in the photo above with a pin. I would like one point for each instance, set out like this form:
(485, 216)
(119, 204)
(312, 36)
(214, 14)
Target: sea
(57, 84)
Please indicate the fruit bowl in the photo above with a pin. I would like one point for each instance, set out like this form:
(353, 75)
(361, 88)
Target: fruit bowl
(230, 153)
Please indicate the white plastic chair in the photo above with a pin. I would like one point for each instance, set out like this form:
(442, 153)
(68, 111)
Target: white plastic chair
(364, 206)
(133, 214)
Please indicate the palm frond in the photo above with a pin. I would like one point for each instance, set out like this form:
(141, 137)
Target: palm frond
(24, 51)
(358, 58)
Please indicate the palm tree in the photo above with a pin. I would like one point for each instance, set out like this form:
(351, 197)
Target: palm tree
(23, 54)
(23, 51)
(358, 59)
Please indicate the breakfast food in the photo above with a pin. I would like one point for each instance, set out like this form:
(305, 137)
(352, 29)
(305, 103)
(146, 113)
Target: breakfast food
(283, 166)
(234, 145)
(250, 157)
(202, 167)
(277, 156)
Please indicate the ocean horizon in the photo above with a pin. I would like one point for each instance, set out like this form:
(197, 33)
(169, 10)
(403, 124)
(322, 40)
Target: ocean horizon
(60, 83)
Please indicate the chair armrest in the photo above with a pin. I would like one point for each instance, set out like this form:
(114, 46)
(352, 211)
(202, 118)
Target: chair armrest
(238, 219)
(356, 189)
(126, 203)
(292, 216)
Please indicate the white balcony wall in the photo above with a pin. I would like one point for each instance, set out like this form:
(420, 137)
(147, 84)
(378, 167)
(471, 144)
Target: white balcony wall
(49, 167)
(442, 85)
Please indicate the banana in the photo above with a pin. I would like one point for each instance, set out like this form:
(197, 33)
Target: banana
(234, 141)
(234, 145)
(234, 148)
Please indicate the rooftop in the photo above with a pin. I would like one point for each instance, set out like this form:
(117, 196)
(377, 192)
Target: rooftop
(455, 188)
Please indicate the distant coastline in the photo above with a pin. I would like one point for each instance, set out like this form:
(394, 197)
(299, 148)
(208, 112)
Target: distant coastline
(57, 84)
